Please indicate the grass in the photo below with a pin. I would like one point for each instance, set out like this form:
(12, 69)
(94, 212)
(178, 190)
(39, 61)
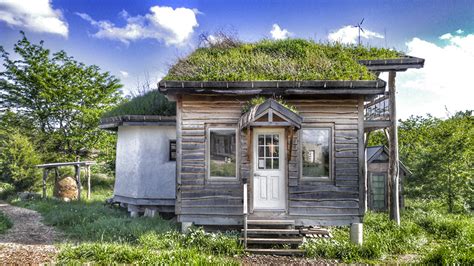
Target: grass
(290, 59)
(151, 103)
(431, 235)
(5, 223)
(98, 233)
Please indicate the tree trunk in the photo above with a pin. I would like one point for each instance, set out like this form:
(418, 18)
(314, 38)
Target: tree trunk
(393, 152)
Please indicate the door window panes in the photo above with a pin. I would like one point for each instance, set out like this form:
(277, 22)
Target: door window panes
(268, 151)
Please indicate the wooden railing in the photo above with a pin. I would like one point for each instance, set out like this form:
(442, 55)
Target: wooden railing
(378, 109)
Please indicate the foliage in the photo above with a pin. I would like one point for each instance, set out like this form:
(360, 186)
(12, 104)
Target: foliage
(290, 59)
(439, 153)
(5, 223)
(209, 243)
(61, 98)
(382, 237)
(426, 231)
(125, 253)
(151, 103)
(18, 160)
(6, 190)
(260, 99)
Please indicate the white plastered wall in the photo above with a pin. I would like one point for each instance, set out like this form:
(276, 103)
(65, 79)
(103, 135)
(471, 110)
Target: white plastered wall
(143, 169)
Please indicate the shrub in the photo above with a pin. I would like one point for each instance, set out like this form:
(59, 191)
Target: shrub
(5, 223)
(17, 162)
(6, 190)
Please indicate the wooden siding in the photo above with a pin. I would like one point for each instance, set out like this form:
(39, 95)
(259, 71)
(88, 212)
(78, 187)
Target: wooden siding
(335, 201)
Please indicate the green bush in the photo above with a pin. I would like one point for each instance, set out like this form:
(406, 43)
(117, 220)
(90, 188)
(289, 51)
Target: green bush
(17, 162)
(6, 190)
(5, 223)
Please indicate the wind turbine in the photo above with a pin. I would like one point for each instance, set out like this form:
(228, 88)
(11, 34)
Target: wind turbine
(359, 26)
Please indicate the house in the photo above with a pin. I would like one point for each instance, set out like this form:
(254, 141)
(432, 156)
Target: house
(145, 176)
(274, 133)
(377, 173)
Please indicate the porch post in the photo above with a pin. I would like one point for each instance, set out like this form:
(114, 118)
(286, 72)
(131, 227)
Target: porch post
(393, 151)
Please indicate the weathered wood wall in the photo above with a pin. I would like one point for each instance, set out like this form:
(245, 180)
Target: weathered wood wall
(310, 202)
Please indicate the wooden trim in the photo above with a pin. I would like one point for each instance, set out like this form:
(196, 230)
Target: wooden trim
(361, 157)
(179, 155)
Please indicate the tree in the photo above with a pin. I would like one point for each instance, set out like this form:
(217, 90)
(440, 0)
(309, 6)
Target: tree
(61, 97)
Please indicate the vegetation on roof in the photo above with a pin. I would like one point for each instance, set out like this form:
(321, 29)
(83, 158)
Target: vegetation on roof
(150, 103)
(290, 59)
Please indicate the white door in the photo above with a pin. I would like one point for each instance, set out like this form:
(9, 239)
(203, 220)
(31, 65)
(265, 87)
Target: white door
(269, 169)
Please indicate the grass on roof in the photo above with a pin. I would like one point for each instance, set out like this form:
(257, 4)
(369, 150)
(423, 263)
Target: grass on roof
(151, 103)
(290, 59)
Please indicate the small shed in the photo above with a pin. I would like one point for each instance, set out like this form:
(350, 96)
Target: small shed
(145, 167)
(377, 173)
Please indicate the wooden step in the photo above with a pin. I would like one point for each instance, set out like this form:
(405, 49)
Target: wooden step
(270, 222)
(294, 240)
(271, 251)
(266, 231)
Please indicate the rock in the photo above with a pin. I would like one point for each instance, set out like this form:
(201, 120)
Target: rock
(28, 195)
(66, 189)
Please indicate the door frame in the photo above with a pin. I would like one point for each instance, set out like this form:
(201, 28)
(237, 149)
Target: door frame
(284, 169)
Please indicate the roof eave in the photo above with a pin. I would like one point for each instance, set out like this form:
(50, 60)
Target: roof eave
(310, 87)
(112, 123)
(398, 64)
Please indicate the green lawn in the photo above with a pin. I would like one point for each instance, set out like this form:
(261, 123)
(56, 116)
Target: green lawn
(99, 233)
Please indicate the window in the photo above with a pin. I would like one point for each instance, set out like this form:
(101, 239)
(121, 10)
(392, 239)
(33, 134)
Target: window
(173, 150)
(316, 152)
(268, 153)
(222, 153)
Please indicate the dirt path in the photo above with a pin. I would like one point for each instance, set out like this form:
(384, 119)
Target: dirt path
(29, 241)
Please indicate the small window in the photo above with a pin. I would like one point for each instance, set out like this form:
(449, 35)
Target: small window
(222, 153)
(316, 152)
(173, 150)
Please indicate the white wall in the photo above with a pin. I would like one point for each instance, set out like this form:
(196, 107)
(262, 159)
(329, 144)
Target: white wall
(143, 168)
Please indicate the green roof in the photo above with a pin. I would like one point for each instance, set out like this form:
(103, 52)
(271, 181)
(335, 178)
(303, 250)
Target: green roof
(290, 59)
(151, 103)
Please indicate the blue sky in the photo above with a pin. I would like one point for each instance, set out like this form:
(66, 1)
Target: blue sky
(131, 38)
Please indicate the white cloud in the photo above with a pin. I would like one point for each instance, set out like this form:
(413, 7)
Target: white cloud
(445, 79)
(279, 33)
(172, 26)
(33, 15)
(124, 73)
(446, 36)
(459, 31)
(350, 34)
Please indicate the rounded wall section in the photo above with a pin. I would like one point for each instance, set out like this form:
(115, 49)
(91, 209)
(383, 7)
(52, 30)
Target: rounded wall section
(143, 166)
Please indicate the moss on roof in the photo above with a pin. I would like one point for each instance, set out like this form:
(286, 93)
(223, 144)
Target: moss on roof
(151, 103)
(290, 59)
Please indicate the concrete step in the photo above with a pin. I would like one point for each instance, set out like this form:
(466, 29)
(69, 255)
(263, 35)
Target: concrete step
(254, 240)
(267, 231)
(271, 222)
(271, 251)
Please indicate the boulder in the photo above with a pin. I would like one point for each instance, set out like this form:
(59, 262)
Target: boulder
(66, 189)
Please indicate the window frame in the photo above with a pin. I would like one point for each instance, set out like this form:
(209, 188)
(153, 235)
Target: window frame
(209, 128)
(170, 157)
(330, 178)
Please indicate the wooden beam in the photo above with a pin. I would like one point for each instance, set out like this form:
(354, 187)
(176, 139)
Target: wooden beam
(45, 176)
(88, 172)
(393, 151)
